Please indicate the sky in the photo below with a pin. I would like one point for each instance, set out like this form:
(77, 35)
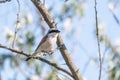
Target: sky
(86, 47)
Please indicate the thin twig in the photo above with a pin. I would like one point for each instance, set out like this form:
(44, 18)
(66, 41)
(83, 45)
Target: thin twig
(104, 55)
(38, 58)
(64, 76)
(17, 22)
(58, 78)
(98, 41)
(115, 17)
(53, 64)
(3, 1)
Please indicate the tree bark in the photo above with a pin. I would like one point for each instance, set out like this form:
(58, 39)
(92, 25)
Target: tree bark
(44, 12)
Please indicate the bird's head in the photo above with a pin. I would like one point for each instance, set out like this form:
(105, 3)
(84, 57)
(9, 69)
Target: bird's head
(53, 32)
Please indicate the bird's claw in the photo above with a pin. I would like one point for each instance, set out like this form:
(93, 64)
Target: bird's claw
(44, 54)
(50, 52)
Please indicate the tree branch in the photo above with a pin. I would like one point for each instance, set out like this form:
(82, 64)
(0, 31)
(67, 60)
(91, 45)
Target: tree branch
(98, 41)
(44, 12)
(38, 58)
(16, 26)
(3, 1)
(115, 17)
(14, 50)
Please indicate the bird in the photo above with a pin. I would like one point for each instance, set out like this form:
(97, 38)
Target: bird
(47, 43)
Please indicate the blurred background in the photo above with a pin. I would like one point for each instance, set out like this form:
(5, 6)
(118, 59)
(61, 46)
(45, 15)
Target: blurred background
(76, 21)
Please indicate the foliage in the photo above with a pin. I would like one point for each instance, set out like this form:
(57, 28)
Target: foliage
(70, 16)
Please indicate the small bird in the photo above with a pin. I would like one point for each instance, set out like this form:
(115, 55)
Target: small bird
(47, 43)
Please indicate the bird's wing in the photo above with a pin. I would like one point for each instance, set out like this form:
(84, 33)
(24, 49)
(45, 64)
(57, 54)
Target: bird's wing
(42, 41)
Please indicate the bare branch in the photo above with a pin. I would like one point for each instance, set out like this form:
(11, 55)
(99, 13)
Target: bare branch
(98, 41)
(66, 77)
(17, 22)
(14, 50)
(53, 64)
(115, 17)
(3, 1)
(44, 12)
(38, 58)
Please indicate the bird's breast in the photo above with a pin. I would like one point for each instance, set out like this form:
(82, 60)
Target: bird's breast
(51, 41)
(48, 44)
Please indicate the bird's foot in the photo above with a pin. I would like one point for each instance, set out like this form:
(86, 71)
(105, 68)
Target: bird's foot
(44, 54)
(48, 52)
(51, 52)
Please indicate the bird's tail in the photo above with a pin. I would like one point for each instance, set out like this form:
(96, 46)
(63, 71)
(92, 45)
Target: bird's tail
(28, 58)
(32, 56)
